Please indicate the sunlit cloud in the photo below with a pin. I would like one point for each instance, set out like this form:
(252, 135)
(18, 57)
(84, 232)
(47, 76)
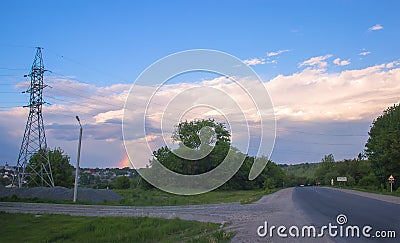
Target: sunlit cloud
(375, 27)
(115, 115)
(276, 53)
(364, 53)
(254, 61)
(312, 94)
(344, 96)
(319, 62)
(340, 62)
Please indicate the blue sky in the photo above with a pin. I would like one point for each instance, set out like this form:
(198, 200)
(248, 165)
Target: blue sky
(107, 42)
(98, 44)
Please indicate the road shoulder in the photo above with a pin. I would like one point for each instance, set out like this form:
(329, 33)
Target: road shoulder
(386, 198)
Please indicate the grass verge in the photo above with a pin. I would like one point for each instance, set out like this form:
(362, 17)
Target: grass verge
(155, 197)
(64, 228)
(140, 197)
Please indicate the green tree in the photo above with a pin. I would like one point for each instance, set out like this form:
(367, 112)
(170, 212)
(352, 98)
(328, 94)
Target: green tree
(328, 158)
(383, 145)
(122, 182)
(197, 135)
(62, 170)
(206, 134)
(188, 133)
(370, 182)
(326, 170)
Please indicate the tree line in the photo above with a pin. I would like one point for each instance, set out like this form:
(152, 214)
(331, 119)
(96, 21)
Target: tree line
(370, 169)
(210, 135)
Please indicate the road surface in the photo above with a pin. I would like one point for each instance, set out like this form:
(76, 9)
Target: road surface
(323, 205)
(305, 206)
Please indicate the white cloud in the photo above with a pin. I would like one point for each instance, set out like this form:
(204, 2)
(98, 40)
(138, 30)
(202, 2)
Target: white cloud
(276, 53)
(109, 115)
(364, 53)
(272, 61)
(375, 27)
(312, 95)
(254, 61)
(340, 62)
(318, 62)
(308, 95)
(268, 60)
(392, 64)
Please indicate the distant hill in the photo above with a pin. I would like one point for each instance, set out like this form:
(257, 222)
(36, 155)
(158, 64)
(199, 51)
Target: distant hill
(304, 170)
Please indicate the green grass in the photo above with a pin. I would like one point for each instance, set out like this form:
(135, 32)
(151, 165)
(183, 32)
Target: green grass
(155, 197)
(63, 228)
(140, 197)
(14, 198)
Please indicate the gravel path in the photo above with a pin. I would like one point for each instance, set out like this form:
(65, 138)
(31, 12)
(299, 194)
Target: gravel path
(277, 208)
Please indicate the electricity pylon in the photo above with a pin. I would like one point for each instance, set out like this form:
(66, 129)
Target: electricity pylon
(35, 171)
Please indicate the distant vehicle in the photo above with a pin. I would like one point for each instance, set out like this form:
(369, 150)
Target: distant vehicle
(301, 185)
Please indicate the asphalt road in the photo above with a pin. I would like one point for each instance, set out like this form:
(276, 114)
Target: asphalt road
(322, 206)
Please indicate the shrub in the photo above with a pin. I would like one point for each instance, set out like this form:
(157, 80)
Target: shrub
(122, 182)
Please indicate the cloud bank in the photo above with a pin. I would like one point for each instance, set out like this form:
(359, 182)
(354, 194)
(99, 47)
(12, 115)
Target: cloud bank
(307, 99)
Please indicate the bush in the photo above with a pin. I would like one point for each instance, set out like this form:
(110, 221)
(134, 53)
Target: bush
(122, 182)
(350, 181)
(370, 182)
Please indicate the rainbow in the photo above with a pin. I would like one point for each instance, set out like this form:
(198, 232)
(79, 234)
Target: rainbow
(125, 162)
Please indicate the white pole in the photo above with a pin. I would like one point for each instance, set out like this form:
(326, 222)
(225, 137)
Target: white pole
(77, 161)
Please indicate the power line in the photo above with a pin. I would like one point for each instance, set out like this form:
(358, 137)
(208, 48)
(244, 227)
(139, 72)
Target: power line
(64, 57)
(13, 69)
(305, 142)
(323, 134)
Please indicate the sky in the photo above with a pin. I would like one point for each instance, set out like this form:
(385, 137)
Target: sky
(330, 68)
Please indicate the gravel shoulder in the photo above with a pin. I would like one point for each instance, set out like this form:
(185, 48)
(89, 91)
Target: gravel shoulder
(277, 209)
(386, 198)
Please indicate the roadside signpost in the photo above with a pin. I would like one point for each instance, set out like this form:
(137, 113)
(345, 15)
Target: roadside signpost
(341, 179)
(391, 180)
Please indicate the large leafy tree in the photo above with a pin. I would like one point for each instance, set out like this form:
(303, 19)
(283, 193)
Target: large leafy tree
(189, 133)
(203, 134)
(197, 135)
(326, 170)
(62, 170)
(383, 145)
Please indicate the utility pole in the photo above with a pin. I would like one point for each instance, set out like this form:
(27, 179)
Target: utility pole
(36, 172)
(77, 160)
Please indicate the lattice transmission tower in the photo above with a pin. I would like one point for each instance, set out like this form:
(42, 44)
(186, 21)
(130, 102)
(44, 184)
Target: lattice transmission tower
(33, 166)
